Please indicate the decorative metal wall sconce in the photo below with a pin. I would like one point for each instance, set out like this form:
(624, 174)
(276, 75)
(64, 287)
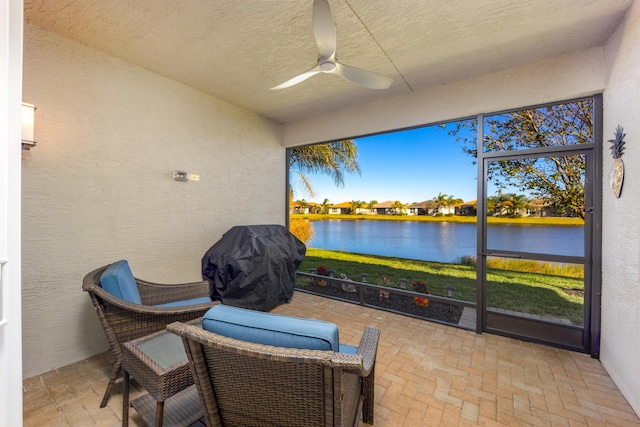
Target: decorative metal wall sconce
(616, 176)
(28, 120)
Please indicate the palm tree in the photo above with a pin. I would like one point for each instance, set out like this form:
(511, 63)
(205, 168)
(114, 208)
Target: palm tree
(498, 203)
(440, 200)
(448, 202)
(452, 201)
(325, 206)
(333, 158)
(509, 203)
(492, 204)
(519, 202)
(398, 207)
(355, 205)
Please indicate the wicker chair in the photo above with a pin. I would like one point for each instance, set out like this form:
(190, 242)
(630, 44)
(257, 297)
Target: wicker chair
(245, 384)
(123, 321)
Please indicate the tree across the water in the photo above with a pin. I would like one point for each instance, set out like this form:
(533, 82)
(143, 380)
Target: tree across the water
(557, 178)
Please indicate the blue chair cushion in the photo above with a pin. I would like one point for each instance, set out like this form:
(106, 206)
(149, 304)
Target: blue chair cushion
(348, 349)
(118, 280)
(193, 301)
(271, 329)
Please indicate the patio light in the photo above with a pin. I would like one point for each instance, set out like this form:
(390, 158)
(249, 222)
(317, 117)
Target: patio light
(450, 291)
(28, 118)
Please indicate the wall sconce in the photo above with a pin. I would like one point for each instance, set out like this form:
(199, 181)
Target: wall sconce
(181, 176)
(185, 176)
(28, 116)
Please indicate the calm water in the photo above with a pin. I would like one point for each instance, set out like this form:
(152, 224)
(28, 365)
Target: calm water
(441, 241)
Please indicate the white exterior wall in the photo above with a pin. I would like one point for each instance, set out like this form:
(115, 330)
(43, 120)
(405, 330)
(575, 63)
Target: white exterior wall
(98, 187)
(620, 353)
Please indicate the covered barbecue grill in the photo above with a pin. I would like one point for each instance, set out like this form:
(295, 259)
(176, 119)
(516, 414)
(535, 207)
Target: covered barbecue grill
(253, 266)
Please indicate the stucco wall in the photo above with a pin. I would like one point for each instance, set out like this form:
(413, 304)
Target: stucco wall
(98, 187)
(620, 353)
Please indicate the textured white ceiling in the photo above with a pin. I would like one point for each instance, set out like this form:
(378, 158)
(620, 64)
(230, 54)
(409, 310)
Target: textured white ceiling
(237, 49)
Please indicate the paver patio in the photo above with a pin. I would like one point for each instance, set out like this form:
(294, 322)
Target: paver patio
(427, 374)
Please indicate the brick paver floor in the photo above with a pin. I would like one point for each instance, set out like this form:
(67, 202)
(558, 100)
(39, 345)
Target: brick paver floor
(427, 374)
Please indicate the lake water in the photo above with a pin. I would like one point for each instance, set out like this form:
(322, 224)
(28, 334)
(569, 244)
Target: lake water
(442, 241)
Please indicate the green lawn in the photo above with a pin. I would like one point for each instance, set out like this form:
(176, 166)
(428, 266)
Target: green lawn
(529, 292)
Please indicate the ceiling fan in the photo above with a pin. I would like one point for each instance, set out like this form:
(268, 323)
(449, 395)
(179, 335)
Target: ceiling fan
(324, 31)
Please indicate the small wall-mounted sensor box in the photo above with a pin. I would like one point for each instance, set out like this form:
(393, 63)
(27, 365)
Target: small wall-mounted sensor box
(181, 176)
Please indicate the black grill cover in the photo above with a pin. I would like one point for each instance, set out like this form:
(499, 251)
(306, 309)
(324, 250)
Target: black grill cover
(253, 266)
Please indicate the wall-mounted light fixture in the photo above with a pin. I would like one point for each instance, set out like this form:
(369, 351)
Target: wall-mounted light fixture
(28, 116)
(185, 176)
(181, 176)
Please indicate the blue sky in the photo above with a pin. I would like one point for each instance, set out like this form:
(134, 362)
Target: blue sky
(409, 166)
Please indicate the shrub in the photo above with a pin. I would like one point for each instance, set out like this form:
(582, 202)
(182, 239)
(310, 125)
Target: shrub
(420, 286)
(302, 229)
(468, 260)
(322, 270)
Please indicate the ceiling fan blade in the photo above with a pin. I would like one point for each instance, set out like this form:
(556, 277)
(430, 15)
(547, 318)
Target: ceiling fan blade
(324, 31)
(323, 28)
(298, 79)
(362, 77)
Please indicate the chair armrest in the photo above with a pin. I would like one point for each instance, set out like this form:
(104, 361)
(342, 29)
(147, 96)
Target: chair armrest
(368, 348)
(123, 321)
(159, 293)
(149, 309)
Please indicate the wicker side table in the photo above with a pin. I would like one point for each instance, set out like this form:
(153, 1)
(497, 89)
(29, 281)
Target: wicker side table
(159, 364)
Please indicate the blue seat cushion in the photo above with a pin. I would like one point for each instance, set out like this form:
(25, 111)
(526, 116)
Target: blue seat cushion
(271, 329)
(193, 301)
(118, 280)
(348, 349)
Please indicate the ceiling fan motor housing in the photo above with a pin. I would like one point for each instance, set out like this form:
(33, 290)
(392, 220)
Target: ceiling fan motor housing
(327, 67)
